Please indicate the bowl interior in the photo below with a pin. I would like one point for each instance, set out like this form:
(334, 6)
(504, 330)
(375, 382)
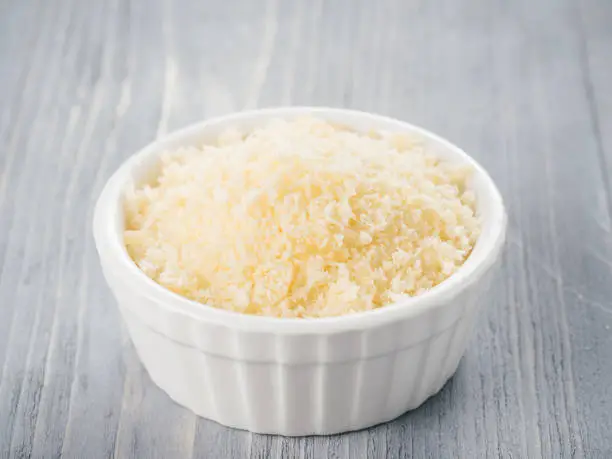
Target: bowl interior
(144, 167)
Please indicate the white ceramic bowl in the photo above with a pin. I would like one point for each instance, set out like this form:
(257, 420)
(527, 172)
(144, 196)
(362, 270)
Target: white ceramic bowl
(297, 376)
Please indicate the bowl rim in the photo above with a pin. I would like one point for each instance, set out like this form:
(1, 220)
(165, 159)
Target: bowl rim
(111, 248)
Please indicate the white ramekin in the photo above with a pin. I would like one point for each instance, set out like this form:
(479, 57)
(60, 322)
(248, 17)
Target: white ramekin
(297, 376)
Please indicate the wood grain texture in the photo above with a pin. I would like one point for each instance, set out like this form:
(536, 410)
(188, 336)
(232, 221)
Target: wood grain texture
(524, 86)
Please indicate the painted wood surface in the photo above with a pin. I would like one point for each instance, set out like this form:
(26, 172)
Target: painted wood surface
(524, 86)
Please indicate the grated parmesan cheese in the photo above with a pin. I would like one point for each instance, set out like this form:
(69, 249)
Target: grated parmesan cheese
(302, 219)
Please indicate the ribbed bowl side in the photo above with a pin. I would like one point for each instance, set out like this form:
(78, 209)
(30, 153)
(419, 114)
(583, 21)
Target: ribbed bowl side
(299, 399)
(299, 384)
(305, 399)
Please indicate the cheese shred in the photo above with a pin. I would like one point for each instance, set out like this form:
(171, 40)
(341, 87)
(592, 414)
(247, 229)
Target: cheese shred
(302, 218)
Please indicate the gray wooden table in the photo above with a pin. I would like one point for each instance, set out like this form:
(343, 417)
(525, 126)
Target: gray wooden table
(525, 86)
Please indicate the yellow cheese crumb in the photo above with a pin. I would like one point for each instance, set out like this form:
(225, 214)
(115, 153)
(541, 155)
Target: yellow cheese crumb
(302, 219)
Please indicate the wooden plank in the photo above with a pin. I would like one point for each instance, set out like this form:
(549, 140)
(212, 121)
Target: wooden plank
(525, 87)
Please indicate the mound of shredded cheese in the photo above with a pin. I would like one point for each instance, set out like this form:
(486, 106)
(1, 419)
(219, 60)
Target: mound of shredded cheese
(302, 219)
